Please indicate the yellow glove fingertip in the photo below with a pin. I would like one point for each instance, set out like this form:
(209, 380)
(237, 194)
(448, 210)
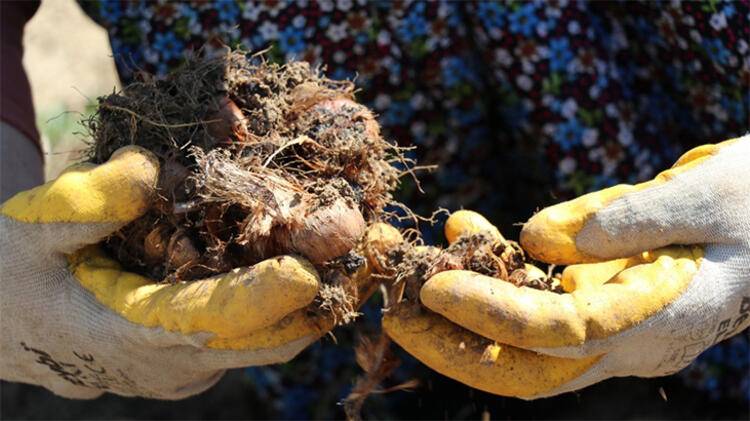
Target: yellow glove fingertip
(466, 222)
(519, 316)
(294, 326)
(118, 191)
(550, 235)
(230, 306)
(457, 353)
(702, 152)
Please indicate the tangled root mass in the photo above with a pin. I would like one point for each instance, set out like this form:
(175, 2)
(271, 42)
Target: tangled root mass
(258, 159)
(410, 265)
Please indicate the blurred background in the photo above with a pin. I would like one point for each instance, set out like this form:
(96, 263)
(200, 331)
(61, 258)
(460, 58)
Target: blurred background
(69, 63)
(68, 59)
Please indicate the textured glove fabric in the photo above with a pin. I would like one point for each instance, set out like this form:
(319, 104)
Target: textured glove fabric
(657, 273)
(57, 334)
(706, 205)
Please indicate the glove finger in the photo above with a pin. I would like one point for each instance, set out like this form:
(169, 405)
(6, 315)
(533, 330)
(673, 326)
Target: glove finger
(530, 318)
(595, 373)
(466, 222)
(284, 339)
(677, 207)
(684, 206)
(275, 344)
(231, 305)
(476, 361)
(592, 275)
(87, 202)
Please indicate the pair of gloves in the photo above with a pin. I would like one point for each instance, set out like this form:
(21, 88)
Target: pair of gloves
(658, 273)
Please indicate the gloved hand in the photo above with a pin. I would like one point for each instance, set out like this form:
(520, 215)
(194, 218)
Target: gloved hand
(628, 311)
(75, 323)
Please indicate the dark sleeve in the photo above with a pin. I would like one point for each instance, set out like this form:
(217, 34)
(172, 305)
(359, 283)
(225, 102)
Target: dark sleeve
(16, 107)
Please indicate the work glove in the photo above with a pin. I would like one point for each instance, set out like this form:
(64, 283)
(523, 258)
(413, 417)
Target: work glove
(74, 322)
(659, 272)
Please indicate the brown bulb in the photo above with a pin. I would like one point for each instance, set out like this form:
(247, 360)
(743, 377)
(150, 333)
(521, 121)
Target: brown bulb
(232, 123)
(362, 114)
(155, 245)
(180, 250)
(328, 232)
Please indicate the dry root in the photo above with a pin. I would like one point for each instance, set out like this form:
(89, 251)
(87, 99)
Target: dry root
(377, 360)
(258, 160)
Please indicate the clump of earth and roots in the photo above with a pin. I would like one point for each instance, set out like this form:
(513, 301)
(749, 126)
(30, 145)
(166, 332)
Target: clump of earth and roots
(405, 266)
(409, 265)
(259, 160)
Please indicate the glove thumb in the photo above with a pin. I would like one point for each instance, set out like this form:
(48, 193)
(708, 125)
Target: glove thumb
(689, 207)
(691, 203)
(86, 202)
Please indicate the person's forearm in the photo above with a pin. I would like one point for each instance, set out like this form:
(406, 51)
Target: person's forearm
(21, 162)
(21, 166)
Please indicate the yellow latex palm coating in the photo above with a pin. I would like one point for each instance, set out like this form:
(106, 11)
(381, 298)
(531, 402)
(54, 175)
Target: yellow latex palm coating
(231, 306)
(117, 191)
(379, 239)
(457, 353)
(466, 222)
(591, 275)
(550, 235)
(294, 326)
(528, 318)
